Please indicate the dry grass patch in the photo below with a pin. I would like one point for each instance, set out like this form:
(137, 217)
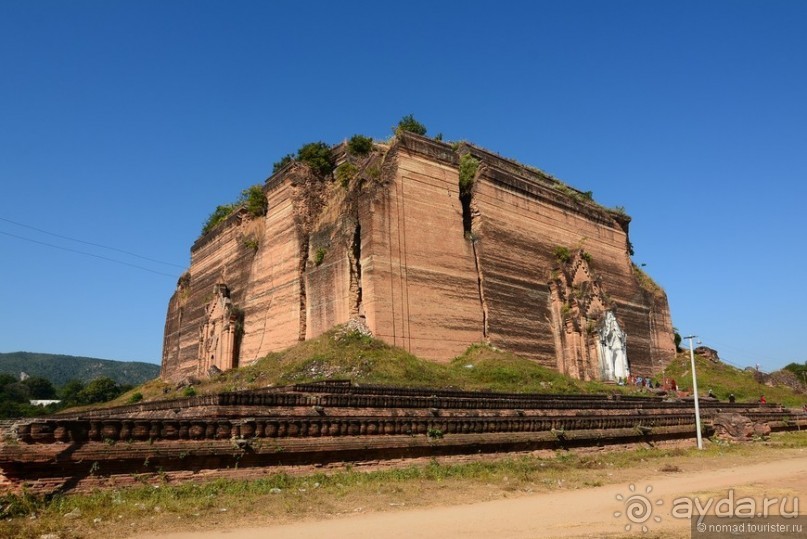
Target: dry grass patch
(283, 497)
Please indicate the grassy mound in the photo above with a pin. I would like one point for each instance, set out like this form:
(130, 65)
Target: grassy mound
(724, 379)
(364, 360)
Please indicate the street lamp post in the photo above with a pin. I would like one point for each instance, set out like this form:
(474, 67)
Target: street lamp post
(695, 391)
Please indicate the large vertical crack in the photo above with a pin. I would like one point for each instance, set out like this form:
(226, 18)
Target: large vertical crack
(355, 272)
(303, 301)
(468, 178)
(480, 280)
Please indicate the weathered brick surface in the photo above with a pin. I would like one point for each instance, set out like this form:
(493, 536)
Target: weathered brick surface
(397, 247)
(420, 274)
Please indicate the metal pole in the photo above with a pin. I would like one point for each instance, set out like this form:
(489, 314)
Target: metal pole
(695, 391)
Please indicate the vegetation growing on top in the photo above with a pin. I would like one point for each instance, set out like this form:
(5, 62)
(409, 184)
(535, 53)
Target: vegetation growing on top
(316, 155)
(408, 123)
(579, 196)
(645, 281)
(468, 167)
(563, 188)
(319, 256)
(219, 215)
(285, 160)
(252, 199)
(359, 145)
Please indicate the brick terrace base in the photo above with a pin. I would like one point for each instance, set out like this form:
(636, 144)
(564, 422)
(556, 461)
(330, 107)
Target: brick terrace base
(252, 432)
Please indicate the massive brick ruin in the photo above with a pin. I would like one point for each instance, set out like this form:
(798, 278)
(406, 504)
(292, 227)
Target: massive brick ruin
(512, 257)
(431, 247)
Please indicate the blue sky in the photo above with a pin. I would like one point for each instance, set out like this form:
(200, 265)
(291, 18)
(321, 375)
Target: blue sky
(124, 124)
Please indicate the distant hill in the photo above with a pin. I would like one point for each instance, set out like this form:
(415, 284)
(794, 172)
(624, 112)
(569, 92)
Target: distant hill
(59, 368)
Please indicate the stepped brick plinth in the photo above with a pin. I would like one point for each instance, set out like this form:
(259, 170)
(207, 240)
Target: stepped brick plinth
(320, 424)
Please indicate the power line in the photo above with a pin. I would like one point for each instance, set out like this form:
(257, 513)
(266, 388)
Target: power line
(87, 254)
(89, 243)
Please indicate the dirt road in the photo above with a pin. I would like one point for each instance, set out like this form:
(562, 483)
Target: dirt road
(588, 512)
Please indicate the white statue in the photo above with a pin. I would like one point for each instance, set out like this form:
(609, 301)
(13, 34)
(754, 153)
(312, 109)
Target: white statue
(613, 353)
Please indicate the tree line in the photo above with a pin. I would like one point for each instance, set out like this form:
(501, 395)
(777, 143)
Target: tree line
(15, 394)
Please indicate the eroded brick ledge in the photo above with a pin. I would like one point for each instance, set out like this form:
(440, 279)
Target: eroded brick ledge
(322, 424)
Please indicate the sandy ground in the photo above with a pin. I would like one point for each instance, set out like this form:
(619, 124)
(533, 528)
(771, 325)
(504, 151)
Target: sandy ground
(588, 512)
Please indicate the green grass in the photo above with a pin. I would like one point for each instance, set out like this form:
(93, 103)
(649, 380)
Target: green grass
(281, 496)
(724, 379)
(365, 360)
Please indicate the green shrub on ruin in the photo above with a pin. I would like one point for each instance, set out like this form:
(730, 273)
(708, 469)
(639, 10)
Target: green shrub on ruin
(562, 254)
(345, 173)
(359, 145)
(253, 199)
(319, 256)
(317, 155)
(374, 173)
(408, 123)
(250, 242)
(285, 160)
(468, 167)
(220, 214)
